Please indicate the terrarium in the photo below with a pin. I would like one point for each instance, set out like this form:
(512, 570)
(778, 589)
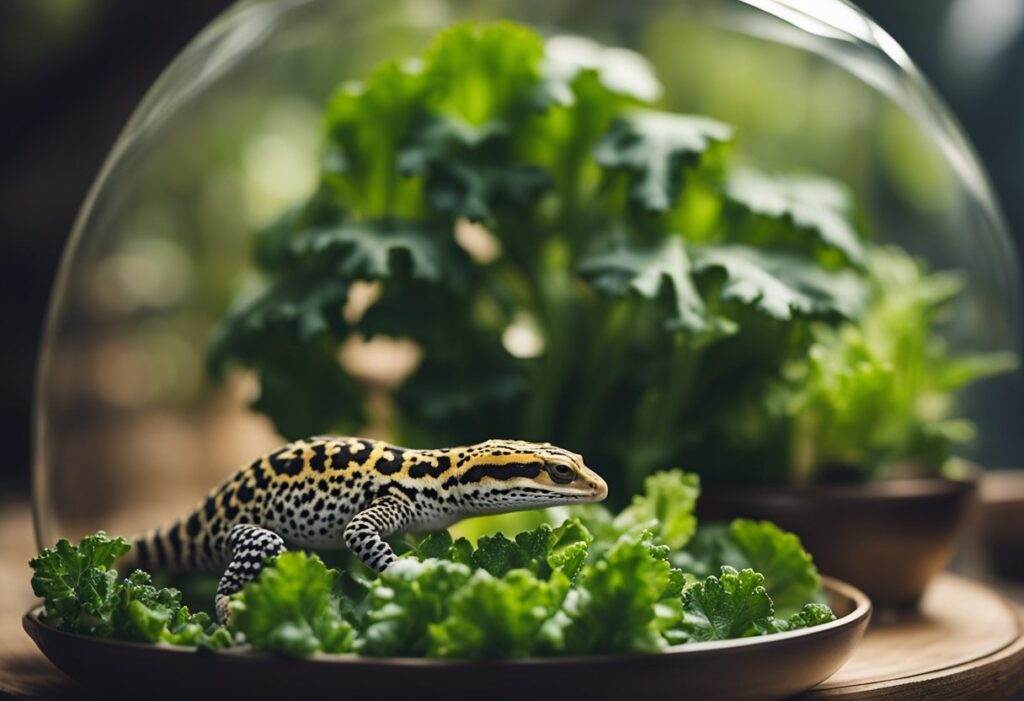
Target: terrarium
(232, 138)
(741, 238)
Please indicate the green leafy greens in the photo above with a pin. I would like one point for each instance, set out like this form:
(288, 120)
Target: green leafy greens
(879, 391)
(681, 306)
(290, 610)
(596, 583)
(84, 595)
(777, 556)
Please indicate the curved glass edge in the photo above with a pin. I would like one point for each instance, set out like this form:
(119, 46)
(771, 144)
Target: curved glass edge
(234, 34)
(840, 32)
(834, 30)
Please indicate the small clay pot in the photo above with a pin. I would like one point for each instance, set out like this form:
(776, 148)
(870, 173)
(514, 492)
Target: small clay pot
(887, 538)
(1001, 520)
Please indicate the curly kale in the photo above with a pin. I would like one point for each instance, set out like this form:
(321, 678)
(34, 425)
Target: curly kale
(83, 594)
(597, 583)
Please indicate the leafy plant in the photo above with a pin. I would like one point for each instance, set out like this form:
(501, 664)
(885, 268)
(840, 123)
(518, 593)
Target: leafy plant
(880, 391)
(291, 609)
(734, 605)
(502, 187)
(777, 556)
(494, 617)
(83, 594)
(665, 507)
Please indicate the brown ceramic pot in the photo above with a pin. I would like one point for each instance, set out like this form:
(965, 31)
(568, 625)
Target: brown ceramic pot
(1001, 519)
(887, 538)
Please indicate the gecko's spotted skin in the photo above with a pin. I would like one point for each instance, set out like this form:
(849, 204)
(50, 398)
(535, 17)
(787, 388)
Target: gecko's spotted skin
(329, 492)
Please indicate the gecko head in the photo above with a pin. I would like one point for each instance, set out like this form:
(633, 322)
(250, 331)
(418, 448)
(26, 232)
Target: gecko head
(511, 475)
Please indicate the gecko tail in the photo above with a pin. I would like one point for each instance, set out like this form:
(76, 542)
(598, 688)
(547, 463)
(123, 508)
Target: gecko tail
(157, 550)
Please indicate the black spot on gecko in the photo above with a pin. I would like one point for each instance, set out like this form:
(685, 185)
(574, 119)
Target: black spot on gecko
(259, 474)
(192, 527)
(245, 493)
(501, 472)
(387, 466)
(444, 463)
(284, 462)
(347, 453)
(318, 461)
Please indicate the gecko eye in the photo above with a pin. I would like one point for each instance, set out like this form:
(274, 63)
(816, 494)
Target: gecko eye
(561, 473)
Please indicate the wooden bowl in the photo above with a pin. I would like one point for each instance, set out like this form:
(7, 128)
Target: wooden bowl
(887, 538)
(749, 669)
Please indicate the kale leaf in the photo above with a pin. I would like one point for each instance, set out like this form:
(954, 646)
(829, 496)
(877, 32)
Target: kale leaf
(83, 594)
(624, 602)
(498, 617)
(291, 610)
(779, 285)
(789, 572)
(655, 149)
(809, 214)
(666, 508)
(662, 274)
(79, 583)
(408, 599)
(790, 576)
(732, 605)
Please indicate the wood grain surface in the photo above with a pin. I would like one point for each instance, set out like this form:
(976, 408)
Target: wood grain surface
(966, 642)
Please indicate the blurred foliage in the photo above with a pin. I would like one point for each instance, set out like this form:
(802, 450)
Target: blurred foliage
(669, 288)
(881, 390)
(166, 261)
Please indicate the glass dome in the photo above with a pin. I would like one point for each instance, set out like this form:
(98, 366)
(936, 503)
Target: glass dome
(130, 428)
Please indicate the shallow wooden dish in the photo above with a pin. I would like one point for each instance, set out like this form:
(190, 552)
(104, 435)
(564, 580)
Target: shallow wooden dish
(771, 667)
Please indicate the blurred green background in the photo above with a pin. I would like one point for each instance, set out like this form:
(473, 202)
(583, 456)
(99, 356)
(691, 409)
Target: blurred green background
(71, 71)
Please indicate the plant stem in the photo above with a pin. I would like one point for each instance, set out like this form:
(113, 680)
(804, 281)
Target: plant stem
(603, 368)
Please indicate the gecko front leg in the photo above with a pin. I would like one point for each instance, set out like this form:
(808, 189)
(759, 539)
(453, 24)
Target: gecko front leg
(250, 546)
(365, 533)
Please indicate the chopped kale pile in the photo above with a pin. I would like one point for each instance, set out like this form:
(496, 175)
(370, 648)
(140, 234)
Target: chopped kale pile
(83, 594)
(598, 583)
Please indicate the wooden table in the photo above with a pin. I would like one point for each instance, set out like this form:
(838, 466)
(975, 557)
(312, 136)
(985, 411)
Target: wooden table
(966, 643)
